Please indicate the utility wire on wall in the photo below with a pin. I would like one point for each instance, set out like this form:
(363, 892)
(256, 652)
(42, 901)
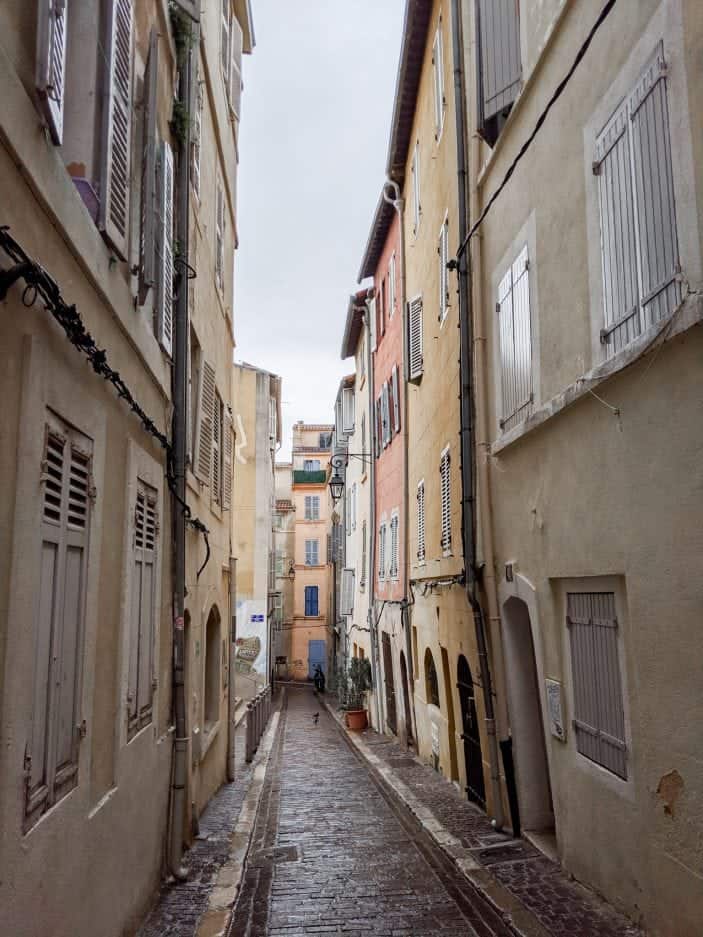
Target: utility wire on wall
(607, 9)
(40, 286)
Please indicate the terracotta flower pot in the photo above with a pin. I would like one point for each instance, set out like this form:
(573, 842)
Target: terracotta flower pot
(356, 719)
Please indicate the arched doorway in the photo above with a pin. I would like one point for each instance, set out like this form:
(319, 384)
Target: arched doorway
(389, 682)
(526, 726)
(475, 786)
(406, 699)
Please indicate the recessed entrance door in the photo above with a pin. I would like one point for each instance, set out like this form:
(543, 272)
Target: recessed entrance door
(388, 680)
(475, 787)
(316, 655)
(406, 699)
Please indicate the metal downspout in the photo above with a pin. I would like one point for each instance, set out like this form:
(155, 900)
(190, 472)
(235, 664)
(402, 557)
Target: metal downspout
(231, 727)
(467, 425)
(179, 470)
(398, 203)
(371, 616)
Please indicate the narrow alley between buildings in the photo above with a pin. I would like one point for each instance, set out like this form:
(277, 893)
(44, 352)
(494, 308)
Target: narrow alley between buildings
(351, 835)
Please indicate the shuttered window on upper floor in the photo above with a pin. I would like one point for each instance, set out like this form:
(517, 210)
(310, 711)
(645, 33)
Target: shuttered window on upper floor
(52, 18)
(415, 339)
(348, 409)
(346, 602)
(599, 716)
(362, 572)
(499, 63)
(395, 397)
(205, 417)
(515, 334)
(312, 552)
(51, 753)
(196, 135)
(117, 123)
(144, 602)
(443, 258)
(312, 507)
(639, 244)
(393, 571)
(415, 173)
(438, 83)
(445, 501)
(421, 522)
(220, 225)
(382, 552)
(148, 209)
(163, 311)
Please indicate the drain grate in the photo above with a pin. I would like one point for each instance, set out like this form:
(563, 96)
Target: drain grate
(510, 852)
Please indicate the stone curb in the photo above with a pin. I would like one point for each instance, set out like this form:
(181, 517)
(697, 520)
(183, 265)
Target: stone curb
(511, 910)
(216, 919)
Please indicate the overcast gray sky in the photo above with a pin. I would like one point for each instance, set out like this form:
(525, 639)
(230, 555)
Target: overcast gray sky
(318, 97)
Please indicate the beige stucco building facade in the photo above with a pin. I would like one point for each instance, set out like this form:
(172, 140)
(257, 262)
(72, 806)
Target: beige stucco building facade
(284, 560)
(587, 278)
(86, 589)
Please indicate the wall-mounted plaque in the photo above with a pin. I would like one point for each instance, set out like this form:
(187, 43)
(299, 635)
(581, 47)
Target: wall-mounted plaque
(554, 708)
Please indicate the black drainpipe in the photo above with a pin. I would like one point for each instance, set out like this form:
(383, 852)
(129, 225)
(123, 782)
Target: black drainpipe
(468, 529)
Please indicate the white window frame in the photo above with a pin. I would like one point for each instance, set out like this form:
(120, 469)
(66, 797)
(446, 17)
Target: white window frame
(314, 514)
(395, 546)
(220, 229)
(415, 338)
(391, 286)
(415, 173)
(312, 552)
(443, 255)
(438, 80)
(382, 551)
(421, 524)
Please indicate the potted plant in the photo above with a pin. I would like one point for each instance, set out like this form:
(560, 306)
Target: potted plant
(353, 685)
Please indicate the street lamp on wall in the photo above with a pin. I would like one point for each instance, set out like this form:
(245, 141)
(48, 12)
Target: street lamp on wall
(338, 462)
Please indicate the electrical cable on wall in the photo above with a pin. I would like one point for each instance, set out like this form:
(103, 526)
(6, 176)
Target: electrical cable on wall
(41, 286)
(607, 9)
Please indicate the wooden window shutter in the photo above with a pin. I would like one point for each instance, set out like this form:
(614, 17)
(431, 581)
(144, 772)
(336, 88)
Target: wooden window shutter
(220, 222)
(421, 521)
(362, 578)
(51, 759)
(514, 320)
(164, 305)
(499, 62)
(654, 189)
(382, 552)
(235, 89)
(372, 324)
(147, 211)
(346, 605)
(217, 427)
(114, 194)
(443, 252)
(415, 356)
(196, 137)
(140, 682)
(51, 63)
(599, 715)
(205, 423)
(228, 461)
(226, 16)
(394, 547)
(438, 64)
(445, 501)
(396, 399)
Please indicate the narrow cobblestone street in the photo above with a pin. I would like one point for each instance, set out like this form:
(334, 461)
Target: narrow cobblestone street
(333, 854)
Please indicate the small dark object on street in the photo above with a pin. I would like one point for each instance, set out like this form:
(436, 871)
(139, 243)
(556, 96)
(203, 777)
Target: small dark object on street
(316, 718)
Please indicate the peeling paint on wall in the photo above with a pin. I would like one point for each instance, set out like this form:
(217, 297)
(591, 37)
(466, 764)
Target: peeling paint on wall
(669, 790)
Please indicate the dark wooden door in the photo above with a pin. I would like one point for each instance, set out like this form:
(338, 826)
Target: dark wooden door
(388, 680)
(406, 697)
(475, 786)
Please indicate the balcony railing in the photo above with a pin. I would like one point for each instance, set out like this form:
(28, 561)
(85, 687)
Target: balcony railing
(301, 477)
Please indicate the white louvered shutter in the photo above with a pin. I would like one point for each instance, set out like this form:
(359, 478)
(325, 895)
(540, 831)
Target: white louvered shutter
(164, 305)
(396, 398)
(362, 578)
(438, 64)
(515, 342)
(235, 89)
(51, 63)
(114, 195)
(415, 359)
(225, 20)
(51, 759)
(445, 501)
(348, 410)
(140, 690)
(382, 552)
(421, 521)
(443, 252)
(147, 208)
(500, 61)
(228, 461)
(654, 190)
(394, 547)
(372, 324)
(220, 222)
(415, 171)
(216, 486)
(196, 138)
(346, 605)
(205, 423)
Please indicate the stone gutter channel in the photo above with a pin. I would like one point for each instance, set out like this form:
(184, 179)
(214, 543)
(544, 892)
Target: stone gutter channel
(529, 891)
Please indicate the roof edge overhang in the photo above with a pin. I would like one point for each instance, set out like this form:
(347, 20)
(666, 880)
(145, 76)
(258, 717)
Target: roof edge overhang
(354, 323)
(380, 226)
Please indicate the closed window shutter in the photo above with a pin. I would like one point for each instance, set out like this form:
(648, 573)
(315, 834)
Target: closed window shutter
(147, 209)
(415, 171)
(654, 188)
(599, 717)
(140, 683)
(415, 338)
(228, 461)
(362, 579)
(346, 605)
(51, 63)
(236, 43)
(438, 64)
(220, 222)
(515, 342)
(421, 521)
(394, 548)
(372, 324)
(196, 138)
(382, 552)
(206, 419)
(443, 251)
(500, 70)
(445, 499)
(51, 760)
(226, 17)
(216, 486)
(114, 195)
(348, 409)
(164, 302)
(396, 399)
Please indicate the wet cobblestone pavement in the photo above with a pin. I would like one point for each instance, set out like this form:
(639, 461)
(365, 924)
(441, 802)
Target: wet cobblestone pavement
(332, 854)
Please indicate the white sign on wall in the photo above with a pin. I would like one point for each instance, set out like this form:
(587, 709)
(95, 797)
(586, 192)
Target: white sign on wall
(554, 708)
